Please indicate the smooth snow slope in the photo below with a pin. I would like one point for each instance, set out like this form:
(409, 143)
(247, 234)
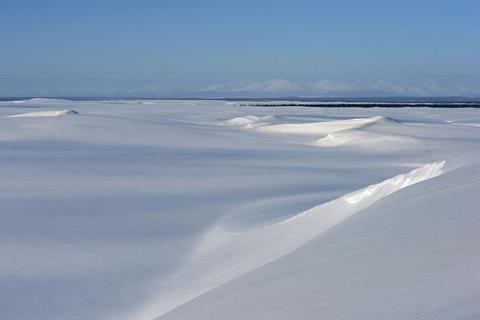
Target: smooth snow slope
(410, 256)
(221, 256)
(202, 210)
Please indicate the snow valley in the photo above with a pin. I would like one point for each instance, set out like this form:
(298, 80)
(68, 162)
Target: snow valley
(164, 209)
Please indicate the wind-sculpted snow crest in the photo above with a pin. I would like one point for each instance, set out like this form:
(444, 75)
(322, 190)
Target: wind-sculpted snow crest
(361, 138)
(389, 186)
(222, 256)
(240, 121)
(326, 127)
(52, 113)
(352, 132)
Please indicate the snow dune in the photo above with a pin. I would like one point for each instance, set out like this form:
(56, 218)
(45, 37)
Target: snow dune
(50, 113)
(362, 138)
(354, 132)
(325, 127)
(241, 121)
(398, 259)
(222, 256)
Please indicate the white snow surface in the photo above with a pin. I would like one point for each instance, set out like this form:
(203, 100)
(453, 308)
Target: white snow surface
(51, 113)
(152, 209)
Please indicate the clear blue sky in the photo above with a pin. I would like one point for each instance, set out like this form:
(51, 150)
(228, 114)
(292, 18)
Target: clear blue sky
(179, 47)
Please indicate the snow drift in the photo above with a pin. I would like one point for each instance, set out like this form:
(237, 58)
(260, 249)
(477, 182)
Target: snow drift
(325, 127)
(241, 121)
(51, 113)
(362, 138)
(222, 256)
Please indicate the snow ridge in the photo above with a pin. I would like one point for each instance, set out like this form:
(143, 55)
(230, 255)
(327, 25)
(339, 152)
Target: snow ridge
(325, 127)
(222, 256)
(52, 113)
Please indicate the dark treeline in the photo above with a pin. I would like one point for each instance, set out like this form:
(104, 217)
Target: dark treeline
(365, 105)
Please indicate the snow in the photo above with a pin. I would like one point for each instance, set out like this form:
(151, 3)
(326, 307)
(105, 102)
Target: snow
(239, 121)
(52, 113)
(203, 210)
(324, 127)
(227, 255)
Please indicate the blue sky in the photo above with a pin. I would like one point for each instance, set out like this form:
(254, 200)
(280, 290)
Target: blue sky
(239, 48)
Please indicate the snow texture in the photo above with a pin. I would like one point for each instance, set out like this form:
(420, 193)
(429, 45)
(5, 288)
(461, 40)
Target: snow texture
(152, 209)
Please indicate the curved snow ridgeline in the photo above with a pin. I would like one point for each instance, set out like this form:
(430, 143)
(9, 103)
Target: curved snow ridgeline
(325, 127)
(362, 138)
(241, 121)
(330, 133)
(51, 113)
(222, 256)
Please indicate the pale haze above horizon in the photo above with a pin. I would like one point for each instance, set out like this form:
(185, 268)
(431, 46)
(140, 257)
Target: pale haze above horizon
(239, 48)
